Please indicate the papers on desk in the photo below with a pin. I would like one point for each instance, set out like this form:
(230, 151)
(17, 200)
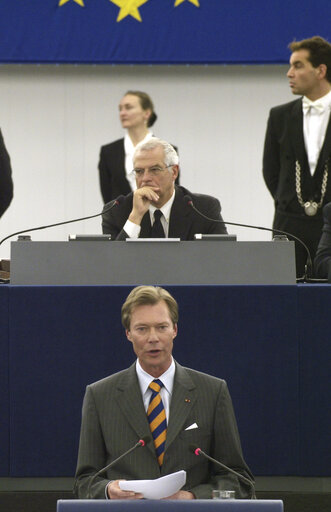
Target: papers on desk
(158, 488)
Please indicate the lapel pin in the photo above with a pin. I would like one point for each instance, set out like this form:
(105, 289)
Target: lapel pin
(187, 400)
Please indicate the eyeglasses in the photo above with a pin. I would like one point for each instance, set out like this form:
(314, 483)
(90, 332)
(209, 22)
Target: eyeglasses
(155, 170)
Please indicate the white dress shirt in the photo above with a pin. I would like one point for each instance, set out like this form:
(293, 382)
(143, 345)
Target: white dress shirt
(315, 122)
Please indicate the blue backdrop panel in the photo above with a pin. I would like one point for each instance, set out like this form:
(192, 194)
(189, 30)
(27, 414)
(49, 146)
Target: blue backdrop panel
(315, 417)
(4, 384)
(156, 31)
(226, 334)
(66, 337)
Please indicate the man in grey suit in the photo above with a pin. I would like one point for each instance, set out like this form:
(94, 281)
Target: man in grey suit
(156, 170)
(297, 149)
(198, 411)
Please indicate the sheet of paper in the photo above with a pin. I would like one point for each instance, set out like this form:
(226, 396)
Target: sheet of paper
(158, 488)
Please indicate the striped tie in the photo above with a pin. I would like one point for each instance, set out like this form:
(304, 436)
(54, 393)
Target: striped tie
(157, 419)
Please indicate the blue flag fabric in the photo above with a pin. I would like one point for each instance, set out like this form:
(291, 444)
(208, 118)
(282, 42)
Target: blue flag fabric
(157, 31)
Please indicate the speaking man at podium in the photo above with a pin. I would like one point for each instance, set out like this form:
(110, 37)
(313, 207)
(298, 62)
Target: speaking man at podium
(159, 208)
(172, 407)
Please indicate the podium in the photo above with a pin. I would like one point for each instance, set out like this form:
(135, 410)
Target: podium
(200, 262)
(170, 506)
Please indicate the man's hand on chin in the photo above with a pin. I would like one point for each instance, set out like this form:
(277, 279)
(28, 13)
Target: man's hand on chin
(142, 198)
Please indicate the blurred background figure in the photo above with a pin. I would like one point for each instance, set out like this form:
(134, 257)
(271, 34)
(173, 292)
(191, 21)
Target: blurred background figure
(6, 182)
(137, 115)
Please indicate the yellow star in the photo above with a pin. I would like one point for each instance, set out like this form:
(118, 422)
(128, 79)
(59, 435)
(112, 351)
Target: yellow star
(194, 2)
(79, 2)
(128, 8)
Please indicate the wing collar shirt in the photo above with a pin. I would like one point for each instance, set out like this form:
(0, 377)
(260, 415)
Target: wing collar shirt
(316, 116)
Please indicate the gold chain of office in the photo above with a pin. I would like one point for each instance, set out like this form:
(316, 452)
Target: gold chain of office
(310, 207)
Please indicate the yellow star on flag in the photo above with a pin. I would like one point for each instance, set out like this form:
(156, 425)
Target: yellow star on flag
(128, 8)
(194, 2)
(79, 2)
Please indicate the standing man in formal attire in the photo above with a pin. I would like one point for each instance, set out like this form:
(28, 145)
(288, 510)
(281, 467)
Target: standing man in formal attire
(156, 397)
(158, 208)
(6, 183)
(296, 160)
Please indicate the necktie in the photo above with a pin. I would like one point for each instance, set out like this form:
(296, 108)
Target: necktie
(157, 229)
(157, 419)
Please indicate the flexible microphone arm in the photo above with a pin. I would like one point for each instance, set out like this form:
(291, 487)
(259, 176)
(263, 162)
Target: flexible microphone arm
(142, 442)
(308, 265)
(198, 451)
(111, 205)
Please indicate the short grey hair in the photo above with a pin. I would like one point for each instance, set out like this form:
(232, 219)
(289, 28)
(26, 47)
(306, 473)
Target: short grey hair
(170, 154)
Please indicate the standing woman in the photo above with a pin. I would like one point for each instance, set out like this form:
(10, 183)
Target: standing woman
(115, 165)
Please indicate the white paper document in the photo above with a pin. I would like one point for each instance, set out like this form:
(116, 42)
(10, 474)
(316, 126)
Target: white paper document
(158, 488)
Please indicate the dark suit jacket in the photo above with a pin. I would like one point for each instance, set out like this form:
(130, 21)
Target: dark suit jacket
(323, 255)
(114, 419)
(284, 144)
(112, 175)
(183, 222)
(6, 183)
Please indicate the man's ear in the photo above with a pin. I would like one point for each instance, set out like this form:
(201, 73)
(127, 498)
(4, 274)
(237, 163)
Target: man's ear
(322, 70)
(175, 171)
(175, 330)
(128, 334)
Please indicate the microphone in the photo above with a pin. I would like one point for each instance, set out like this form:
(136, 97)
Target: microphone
(114, 202)
(197, 451)
(142, 442)
(309, 264)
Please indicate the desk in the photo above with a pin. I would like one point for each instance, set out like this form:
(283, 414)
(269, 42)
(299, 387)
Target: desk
(271, 344)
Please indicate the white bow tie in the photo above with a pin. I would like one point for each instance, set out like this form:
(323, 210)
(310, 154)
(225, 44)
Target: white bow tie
(317, 106)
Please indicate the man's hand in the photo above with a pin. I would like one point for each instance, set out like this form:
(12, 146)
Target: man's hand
(115, 493)
(181, 495)
(142, 198)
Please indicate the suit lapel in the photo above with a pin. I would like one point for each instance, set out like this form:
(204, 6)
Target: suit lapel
(182, 401)
(130, 402)
(296, 134)
(179, 222)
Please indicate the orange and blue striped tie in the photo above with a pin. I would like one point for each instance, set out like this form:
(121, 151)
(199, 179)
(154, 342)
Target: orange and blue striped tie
(157, 419)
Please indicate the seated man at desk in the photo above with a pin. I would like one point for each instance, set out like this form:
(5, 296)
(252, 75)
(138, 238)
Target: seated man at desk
(323, 254)
(157, 398)
(159, 208)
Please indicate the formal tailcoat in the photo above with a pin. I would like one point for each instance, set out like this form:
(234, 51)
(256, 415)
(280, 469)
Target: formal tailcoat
(114, 419)
(284, 145)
